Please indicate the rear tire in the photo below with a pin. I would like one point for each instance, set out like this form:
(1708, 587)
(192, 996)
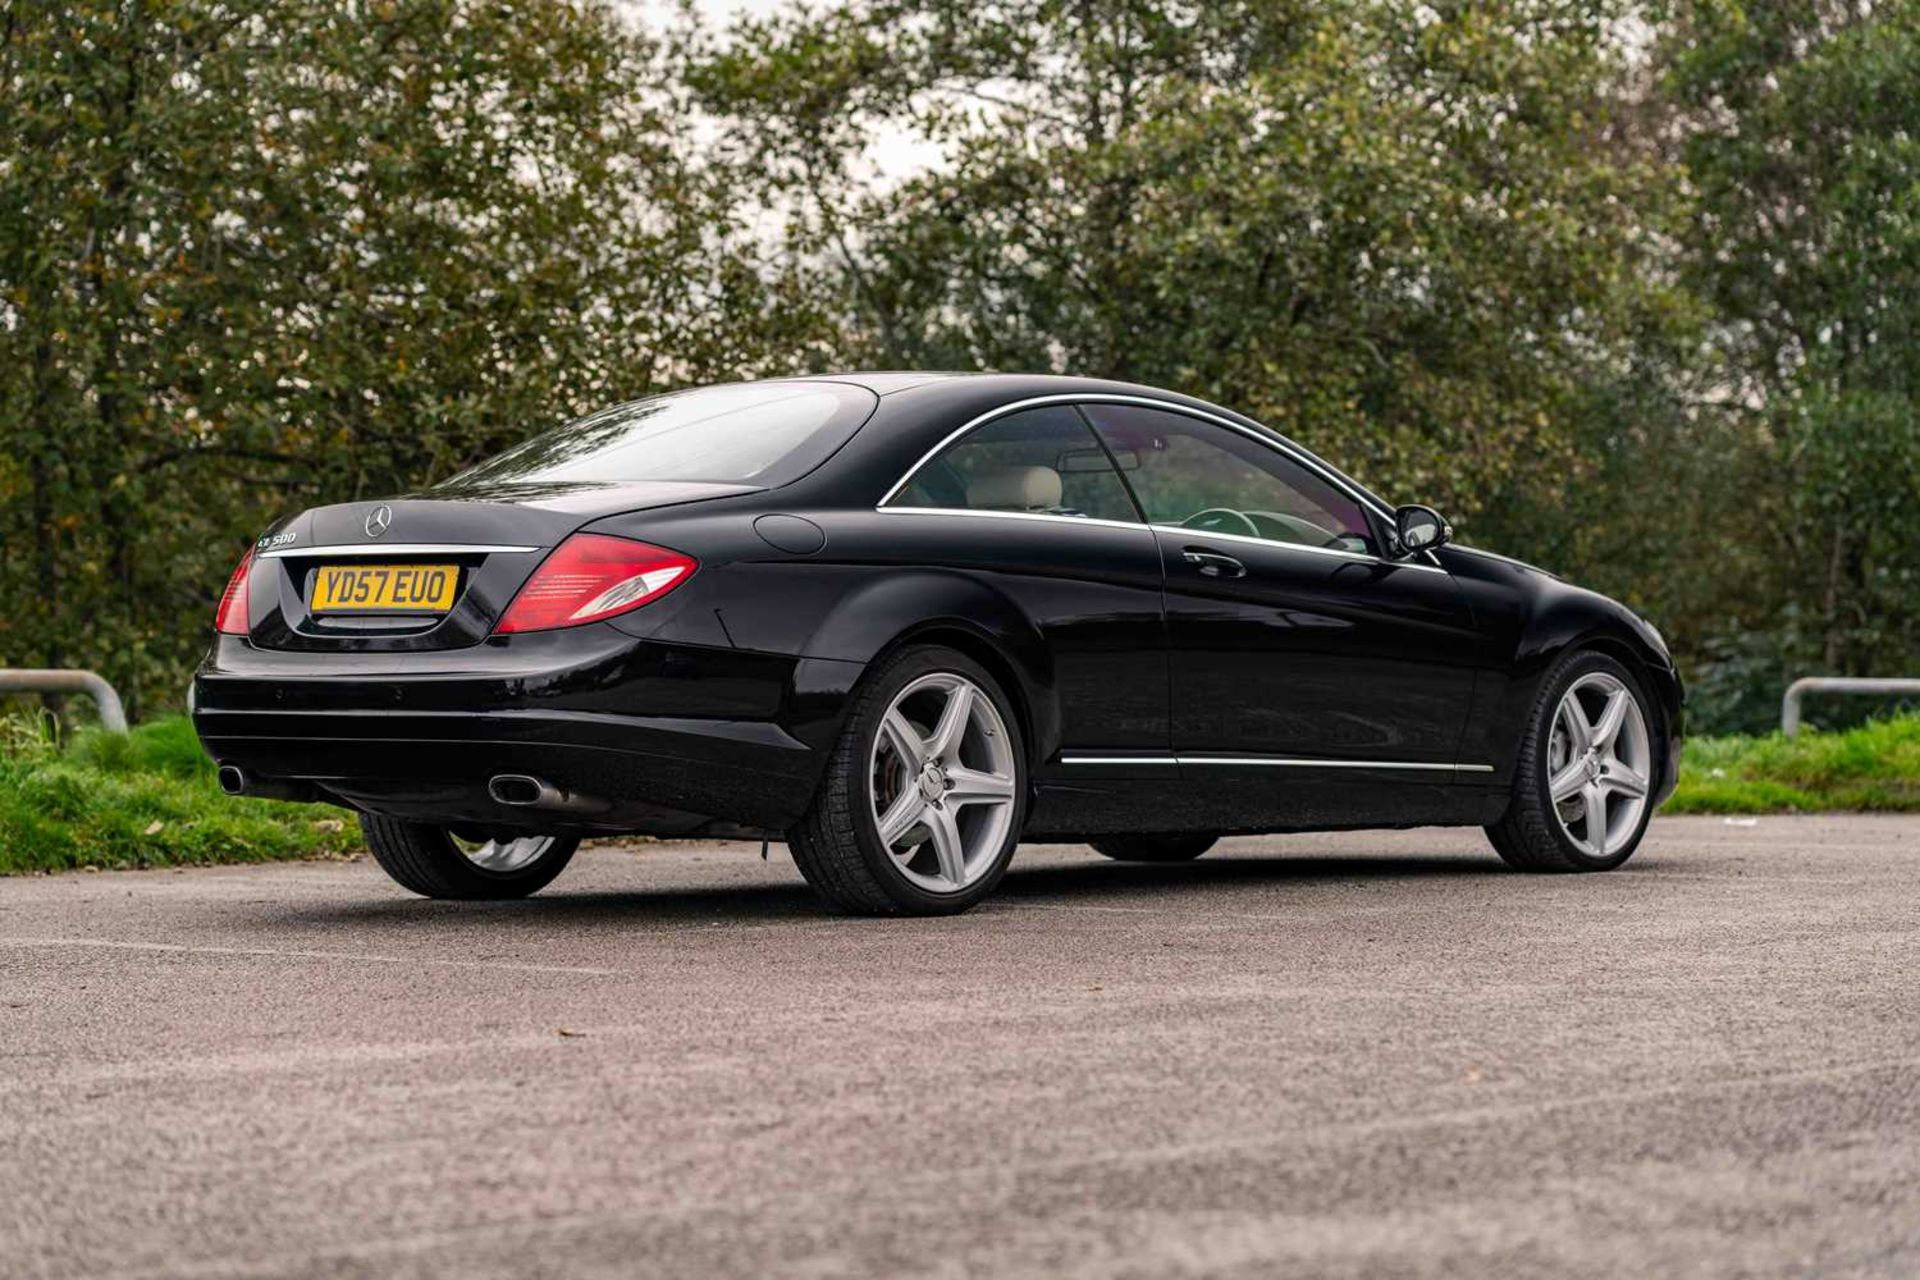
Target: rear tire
(425, 858)
(1537, 832)
(950, 846)
(1172, 847)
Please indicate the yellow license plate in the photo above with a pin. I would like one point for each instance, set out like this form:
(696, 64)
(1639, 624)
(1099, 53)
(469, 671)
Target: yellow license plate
(393, 588)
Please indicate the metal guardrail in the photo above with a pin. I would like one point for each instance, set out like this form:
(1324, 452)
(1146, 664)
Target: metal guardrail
(113, 716)
(1790, 704)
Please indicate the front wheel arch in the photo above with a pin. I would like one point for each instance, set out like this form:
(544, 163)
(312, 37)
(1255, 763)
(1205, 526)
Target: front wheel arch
(1648, 677)
(1543, 661)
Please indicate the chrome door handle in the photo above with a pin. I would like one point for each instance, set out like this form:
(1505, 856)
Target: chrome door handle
(1214, 565)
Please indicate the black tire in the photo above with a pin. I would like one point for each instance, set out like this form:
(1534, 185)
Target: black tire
(1528, 835)
(422, 857)
(837, 844)
(1170, 847)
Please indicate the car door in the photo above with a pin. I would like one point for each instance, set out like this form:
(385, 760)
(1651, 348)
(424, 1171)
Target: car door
(1299, 655)
(1032, 501)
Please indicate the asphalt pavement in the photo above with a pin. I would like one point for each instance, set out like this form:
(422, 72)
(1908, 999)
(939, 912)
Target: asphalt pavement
(1368, 1054)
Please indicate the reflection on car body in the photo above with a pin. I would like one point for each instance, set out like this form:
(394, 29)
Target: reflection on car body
(904, 621)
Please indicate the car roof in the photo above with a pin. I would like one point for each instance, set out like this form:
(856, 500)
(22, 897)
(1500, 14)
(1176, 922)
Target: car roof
(886, 382)
(949, 397)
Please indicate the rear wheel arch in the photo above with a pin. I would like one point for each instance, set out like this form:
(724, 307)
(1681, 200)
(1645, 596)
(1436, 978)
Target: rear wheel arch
(986, 650)
(841, 845)
(871, 624)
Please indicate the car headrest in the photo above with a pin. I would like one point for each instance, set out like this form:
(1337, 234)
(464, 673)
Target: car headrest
(1014, 489)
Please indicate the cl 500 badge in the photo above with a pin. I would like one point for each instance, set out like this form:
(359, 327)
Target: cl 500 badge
(277, 540)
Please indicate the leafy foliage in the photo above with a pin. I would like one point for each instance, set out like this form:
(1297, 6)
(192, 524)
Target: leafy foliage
(1629, 289)
(261, 255)
(1417, 240)
(1805, 147)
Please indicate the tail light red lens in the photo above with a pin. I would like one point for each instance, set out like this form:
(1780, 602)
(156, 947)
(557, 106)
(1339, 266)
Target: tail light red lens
(231, 616)
(592, 576)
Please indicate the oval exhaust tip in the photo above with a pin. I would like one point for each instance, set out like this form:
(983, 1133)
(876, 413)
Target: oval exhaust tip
(232, 780)
(517, 789)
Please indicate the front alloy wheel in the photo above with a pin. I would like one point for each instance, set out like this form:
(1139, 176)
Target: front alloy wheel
(924, 794)
(1599, 761)
(1584, 777)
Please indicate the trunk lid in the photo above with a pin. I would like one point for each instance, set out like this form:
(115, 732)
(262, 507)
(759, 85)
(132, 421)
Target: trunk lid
(487, 539)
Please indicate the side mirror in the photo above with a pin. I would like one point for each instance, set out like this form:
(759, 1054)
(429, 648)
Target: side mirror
(1417, 528)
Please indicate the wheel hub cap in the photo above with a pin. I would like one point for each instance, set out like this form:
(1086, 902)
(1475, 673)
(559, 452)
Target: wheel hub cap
(933, 783)
(943, 782)
(1599, 764)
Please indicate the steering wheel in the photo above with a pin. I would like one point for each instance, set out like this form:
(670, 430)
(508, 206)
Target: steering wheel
(1200, 520)
(1301, 529)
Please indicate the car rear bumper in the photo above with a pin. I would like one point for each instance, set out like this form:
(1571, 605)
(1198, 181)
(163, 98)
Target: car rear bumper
(640, 736)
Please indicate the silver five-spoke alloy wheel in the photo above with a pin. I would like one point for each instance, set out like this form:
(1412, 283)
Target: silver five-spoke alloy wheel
(1599, 761)
(503, 856)
(943, 782)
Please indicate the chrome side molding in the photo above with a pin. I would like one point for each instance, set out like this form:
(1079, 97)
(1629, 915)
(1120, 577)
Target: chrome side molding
(1282, 762)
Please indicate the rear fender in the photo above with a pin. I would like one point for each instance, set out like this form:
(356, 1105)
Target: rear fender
(939, 607)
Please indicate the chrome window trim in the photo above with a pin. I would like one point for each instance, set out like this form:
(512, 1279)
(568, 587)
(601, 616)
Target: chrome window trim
(1198, 534)
(1011, 515)
(1106, 397)
(1285, 762)
(399, 549)
(1208, 535)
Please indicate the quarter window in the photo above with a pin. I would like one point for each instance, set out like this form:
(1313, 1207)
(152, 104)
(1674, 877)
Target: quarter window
(1044, 461)
(1198, 475)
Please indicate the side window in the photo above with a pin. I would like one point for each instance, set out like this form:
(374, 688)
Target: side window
(1198, 475)
(1042, 460)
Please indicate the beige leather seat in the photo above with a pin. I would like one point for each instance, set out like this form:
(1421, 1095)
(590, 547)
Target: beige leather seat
(1014, 489)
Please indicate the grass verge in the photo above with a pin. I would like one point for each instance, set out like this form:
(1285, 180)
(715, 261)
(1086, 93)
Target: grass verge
(148, 799)
(1872, 768)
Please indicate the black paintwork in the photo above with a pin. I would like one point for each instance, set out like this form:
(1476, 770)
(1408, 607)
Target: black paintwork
(713, 708)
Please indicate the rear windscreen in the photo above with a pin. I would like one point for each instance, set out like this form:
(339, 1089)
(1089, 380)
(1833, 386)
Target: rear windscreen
(757, 433)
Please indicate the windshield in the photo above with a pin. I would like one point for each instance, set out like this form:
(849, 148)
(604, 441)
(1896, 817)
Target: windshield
(758, 433)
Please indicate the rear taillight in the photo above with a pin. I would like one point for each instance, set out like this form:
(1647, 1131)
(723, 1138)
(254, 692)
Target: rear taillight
(592, 576)
(231, 617)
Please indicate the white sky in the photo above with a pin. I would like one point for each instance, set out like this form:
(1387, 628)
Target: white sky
(895, 154)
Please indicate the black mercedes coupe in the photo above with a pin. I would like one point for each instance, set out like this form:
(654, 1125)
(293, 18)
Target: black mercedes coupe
(904, 621)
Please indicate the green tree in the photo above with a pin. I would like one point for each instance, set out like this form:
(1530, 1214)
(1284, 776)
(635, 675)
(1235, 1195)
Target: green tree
(1419, 238)
(256, 254)
(1803, 138)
